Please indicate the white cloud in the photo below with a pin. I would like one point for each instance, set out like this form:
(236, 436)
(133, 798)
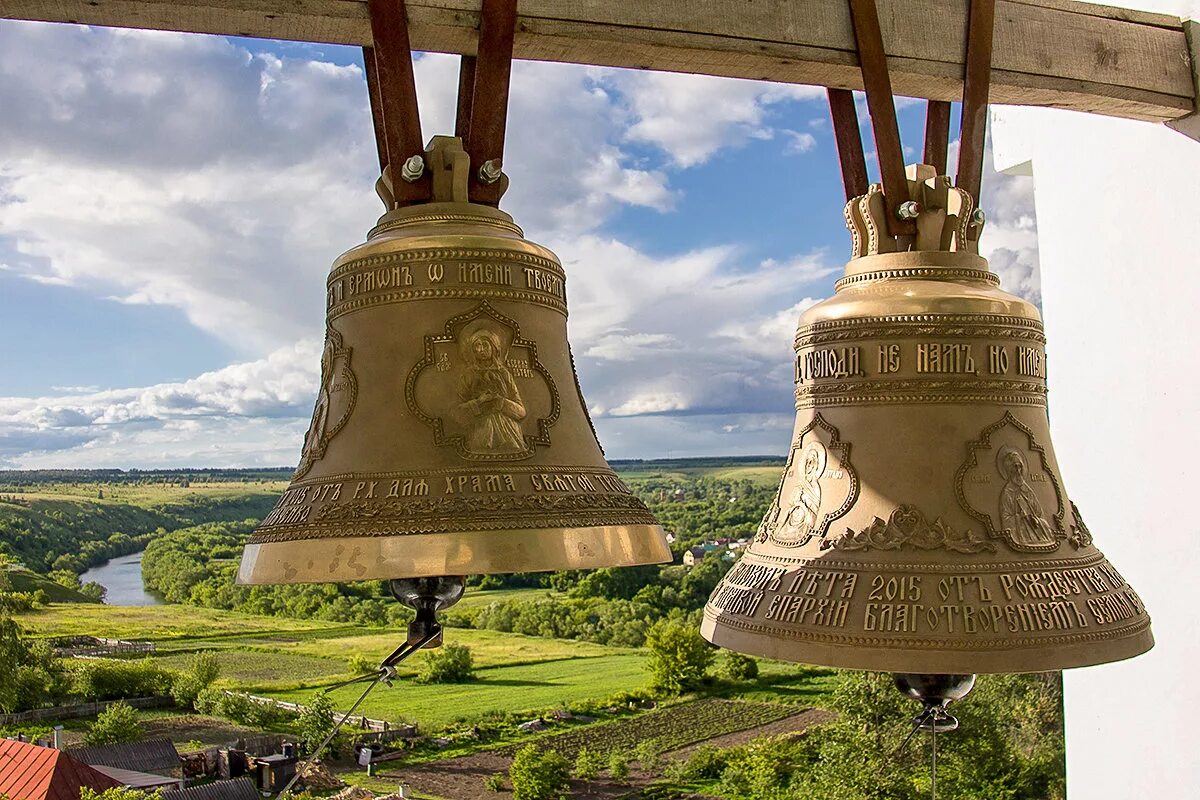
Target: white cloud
(691, 117)
(250, 412)
(798, 142)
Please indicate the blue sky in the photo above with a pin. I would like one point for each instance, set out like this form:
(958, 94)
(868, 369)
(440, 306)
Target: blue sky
(169, 205)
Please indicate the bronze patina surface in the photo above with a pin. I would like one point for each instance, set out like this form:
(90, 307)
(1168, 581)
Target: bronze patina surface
(922, 524)
(450, 436)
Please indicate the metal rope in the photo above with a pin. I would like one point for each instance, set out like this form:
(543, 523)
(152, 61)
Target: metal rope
(384, 674)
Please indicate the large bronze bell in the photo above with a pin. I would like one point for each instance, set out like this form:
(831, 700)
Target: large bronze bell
(922, 525)
(449, 436)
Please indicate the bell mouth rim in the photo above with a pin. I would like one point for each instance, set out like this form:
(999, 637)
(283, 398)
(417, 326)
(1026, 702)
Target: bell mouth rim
(445, 213)
(344, 559)
(1046, 657)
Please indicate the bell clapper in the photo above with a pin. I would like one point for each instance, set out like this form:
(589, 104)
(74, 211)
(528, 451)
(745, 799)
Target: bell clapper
(426, 596)
(936, 693)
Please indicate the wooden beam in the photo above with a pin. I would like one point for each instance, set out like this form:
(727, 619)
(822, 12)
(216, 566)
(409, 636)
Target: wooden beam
(937, 135)
(489, 98)
(973, 132)
(849, 142)
(1047, 52)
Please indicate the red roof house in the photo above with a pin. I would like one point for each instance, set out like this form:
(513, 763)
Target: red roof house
(32, 772)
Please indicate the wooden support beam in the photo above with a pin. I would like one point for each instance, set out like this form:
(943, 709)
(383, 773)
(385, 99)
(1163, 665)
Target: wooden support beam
(937, 135)
(973, 132)
(1057, 53)
(466, 91)
(489, 100)
(849, 142)
(880, 103)
(376, 105)
(396, 92)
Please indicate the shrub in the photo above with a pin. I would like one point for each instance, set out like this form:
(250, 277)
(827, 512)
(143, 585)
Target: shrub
(450, 663)
(205, 668)
(588, 765)
(494, 782)
(116, 724)
(618, 766)
(116, 793)
(740, 667)
(647, 755)
(705, 764)
(679, 656)
(538, 775)
(315, 721)
(209, 701)
(361, 665)
(108, 679)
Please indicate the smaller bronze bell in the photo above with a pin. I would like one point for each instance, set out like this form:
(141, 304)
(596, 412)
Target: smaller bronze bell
(450, 436)
(922, 524)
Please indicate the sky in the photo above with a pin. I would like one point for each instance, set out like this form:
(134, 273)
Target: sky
(170, 205)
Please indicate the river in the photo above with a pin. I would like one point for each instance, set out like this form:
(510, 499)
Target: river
(123, 579)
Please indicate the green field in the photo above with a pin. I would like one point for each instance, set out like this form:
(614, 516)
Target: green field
(159, 623)
(494, 690)
(488, 648)
(281, 657)
(245, 669)
(142, 495)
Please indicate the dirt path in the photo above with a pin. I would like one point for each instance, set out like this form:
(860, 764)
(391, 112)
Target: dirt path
(463, 778)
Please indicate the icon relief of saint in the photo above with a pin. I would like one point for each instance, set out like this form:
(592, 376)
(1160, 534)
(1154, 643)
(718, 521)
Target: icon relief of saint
(490, 407)
(320, 417)
(1021, 513)
(802, 518)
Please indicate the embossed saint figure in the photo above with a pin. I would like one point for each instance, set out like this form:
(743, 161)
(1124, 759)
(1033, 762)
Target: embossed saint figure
(320, 418)
(801, 519)
(1021, 512)
(490, 405)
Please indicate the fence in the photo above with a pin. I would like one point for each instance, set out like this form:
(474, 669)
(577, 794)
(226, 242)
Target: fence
(93, 646)
(363, 723)
(81, 710)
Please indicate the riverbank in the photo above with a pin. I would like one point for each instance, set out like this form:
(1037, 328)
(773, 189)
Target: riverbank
(122, 578)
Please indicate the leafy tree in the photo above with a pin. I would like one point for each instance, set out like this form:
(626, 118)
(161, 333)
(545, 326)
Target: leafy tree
(449, 663)
(315, 722)
(13, 653)
(1009, 747)
(739, 667)
(115, 725)
(202, 672)
(588, 764)
(65, 578)
(94, 591)
(117, 793)
(538, 774)
(679, 656)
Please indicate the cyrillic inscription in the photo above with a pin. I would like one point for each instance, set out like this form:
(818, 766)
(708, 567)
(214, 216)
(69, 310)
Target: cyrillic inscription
(544, 281)
(989, 604)
(834, 362)
(949, 359)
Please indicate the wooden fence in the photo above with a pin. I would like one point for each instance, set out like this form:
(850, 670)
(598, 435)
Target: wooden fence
(363, 723)
(81, 710)
(90, 646)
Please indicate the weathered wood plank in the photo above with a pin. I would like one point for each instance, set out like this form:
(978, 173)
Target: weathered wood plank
(1047, 52)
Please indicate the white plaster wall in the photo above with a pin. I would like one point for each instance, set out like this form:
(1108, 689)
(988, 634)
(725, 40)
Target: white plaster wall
(1118, 213)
